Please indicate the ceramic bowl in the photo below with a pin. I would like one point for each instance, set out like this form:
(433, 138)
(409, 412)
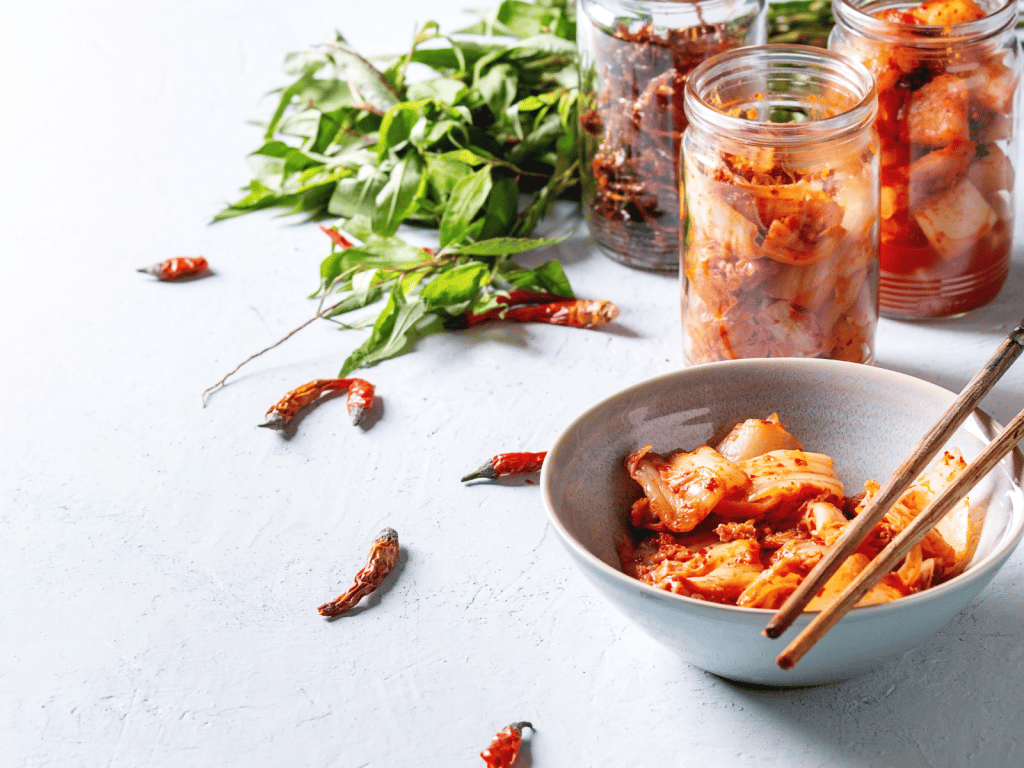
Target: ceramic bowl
(868, 419)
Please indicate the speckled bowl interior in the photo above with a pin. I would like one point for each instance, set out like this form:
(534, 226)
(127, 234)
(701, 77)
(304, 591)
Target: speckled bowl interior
(868, 419)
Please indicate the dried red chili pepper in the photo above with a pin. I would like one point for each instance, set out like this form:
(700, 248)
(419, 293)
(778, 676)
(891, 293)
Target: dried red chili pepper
(575, 313)
(359, 401)
(336, 237)
(504, 748)
(177, 268)
(508, 464)
(382, 558)
(520, 296)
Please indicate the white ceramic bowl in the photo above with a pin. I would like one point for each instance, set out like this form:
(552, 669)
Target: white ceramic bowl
(868, 419)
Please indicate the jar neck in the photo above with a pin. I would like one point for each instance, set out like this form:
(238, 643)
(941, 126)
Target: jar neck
(668, 14)
(737, 94)
(857, 15)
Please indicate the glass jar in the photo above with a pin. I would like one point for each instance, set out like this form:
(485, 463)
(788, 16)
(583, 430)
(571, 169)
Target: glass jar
(948, 125)
(635, 58)
(780, 176)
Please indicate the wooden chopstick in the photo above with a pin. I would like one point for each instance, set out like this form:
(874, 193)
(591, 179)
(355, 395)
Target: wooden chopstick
(901, 479)
(898, 548)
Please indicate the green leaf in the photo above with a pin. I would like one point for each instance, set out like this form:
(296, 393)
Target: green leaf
(368, 84)
(549, 277)
(498, 86)
(400, 325)
(539, 139)
(479, 149)
(500, 246)
(467, 198)
(365, 289)
(455, 290)
(444, 89)
(397, 198)
(356, 195)
(501, 208)
(444, 172)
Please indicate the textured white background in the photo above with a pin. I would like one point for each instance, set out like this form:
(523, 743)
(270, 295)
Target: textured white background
(160, 563)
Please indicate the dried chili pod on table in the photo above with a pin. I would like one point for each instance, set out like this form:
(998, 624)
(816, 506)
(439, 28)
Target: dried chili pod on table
(503, 464)
(382, 559)
(177, 268)
(359, 401)
(504, 748)
(574, 313)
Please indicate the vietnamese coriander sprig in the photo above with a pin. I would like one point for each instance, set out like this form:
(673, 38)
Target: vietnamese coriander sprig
(349, 138)
(477, 149)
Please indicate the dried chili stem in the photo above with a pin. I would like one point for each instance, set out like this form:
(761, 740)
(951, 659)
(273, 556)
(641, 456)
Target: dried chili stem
(382, 559)
(503, 464)
(504, 748)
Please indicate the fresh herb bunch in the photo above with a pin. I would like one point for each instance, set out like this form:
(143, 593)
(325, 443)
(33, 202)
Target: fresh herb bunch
(349, 138)
(478, 149)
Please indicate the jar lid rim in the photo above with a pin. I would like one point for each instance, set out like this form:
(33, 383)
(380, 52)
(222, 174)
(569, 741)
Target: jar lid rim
(999, 19)
(859, 115)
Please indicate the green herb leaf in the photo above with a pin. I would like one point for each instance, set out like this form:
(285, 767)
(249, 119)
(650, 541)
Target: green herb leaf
(500, 246)
(467, 198)
(400, 325)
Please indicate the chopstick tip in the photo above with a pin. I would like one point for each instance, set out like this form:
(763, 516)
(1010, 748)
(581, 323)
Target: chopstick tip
(784, 661)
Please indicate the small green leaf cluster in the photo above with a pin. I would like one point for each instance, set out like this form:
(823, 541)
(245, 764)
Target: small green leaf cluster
(804, 22)
(421, 288)
(349, 138)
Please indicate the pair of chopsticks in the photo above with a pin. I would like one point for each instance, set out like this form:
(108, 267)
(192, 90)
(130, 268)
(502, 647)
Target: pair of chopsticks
(887, 496)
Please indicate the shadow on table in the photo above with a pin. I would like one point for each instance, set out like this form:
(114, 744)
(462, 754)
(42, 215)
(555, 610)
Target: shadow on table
(955, 701)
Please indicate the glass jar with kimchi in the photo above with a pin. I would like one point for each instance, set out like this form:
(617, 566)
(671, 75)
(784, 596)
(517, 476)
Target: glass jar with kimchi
(947, 74)
(780, 176)
(635, 56)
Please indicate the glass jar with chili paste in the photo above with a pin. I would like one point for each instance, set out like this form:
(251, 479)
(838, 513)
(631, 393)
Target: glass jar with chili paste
(635, 56)
(948, 104)
(780, 178)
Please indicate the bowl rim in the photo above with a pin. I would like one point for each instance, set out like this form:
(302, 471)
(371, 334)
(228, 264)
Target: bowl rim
(979, 569)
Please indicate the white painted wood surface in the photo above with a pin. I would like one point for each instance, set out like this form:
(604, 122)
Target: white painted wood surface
(161, 562)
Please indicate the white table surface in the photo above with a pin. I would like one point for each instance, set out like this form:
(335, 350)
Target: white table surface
(161, 562)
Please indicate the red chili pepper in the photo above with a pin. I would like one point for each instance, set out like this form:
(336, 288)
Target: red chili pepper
(382, 559)
(177, 268)
(336, 236)
(519, 296)
(359, 401)
(508, 464)
(575, 313)
(504, 748)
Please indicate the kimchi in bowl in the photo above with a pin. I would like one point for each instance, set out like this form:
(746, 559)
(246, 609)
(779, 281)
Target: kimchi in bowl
(867, 419)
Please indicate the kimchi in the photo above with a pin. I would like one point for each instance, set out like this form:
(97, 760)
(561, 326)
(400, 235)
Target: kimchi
(744, 521)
